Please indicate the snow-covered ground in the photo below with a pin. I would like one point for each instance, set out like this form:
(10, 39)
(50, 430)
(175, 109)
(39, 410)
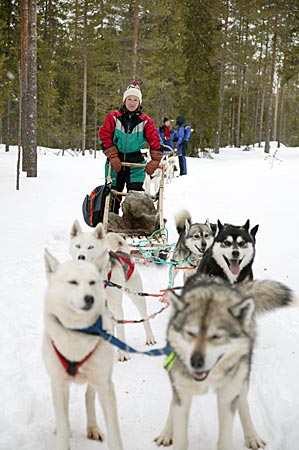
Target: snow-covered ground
(234, 186)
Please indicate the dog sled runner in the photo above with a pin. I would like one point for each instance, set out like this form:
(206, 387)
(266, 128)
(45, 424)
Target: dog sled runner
(142, 222)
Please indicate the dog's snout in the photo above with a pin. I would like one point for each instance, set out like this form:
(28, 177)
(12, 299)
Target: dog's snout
(89, 300)
(197, 361)
(235, 254)
(81, 257)
(203, 244)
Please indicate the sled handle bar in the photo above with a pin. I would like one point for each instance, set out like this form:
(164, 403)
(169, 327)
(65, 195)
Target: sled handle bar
(128, 164)
(141, 166)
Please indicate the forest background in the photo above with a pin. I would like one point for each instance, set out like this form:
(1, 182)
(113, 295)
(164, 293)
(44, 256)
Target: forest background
(230, 66)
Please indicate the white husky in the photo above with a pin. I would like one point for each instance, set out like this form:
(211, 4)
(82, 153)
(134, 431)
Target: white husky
(75, 299)
(117, 265)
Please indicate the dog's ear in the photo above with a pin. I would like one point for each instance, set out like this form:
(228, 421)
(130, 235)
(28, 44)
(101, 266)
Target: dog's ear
(212, 226)
(175, 300)
(253, 231)
(187, 226)
(219, 224)
(247, 225)
(76, 229)
(243, 311)
(99, 231)
(51, 263)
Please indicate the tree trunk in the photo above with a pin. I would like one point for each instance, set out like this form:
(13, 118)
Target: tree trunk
(32, 91)
(269, 109)
(84, 79)
(8, 129)
(221, 86)
(24, 81)
(264, 83)
(280, 119)
(240, 100)
(135, 40)
(276, 111)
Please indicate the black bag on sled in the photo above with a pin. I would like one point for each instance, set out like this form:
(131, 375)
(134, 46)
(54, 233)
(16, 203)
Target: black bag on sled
(94, 205)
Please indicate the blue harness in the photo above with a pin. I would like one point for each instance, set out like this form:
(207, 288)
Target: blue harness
(97, 329)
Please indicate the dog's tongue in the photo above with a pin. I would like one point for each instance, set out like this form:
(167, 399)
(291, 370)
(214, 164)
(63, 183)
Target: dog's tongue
(234, 266)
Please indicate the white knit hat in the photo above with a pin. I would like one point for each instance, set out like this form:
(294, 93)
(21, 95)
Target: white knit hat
(133, 89)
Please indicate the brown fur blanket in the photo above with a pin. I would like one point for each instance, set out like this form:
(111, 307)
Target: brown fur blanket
(140, 216)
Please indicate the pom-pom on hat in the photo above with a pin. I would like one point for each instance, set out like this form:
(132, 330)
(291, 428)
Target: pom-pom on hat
(133, 89)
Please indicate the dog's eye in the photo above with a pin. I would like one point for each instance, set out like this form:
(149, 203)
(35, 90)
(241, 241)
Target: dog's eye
(206, 235)
(90, 247)
(234, 335)
(91, 283)
(78, 246)
(241, 244)
(191, 334)
(196, 236)
(227, 243)
(215, 337)
(73, 282)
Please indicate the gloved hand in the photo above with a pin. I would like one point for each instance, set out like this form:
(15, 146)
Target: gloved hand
(152, 165)
(112, 154)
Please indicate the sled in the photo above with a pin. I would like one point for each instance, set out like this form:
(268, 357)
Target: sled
(145, 246)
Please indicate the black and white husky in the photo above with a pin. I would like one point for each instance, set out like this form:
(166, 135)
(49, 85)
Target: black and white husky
(232, 253)
(194, 240)
(118, 267)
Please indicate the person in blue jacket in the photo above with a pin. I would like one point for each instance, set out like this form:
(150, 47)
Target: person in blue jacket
(182, 143)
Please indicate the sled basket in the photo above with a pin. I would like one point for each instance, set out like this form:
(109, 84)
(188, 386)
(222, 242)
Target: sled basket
(94, 205)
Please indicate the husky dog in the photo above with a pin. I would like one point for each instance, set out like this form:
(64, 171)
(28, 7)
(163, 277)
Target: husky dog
(211, 332)
(194, 240)
(75, 299)
(232, 253)
(171, 167)
(117, 266)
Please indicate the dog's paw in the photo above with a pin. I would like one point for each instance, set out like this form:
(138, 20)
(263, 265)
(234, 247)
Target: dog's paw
(164, 439)
(151, 341)
(95, 434)
(255, 443)
(123, 356)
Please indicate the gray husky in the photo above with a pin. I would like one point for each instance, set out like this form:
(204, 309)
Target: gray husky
(194, 240)
(212, 332)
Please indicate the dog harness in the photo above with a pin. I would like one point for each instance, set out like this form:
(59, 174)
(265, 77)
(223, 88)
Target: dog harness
(97, 329)
(122, 260)
(72, 367)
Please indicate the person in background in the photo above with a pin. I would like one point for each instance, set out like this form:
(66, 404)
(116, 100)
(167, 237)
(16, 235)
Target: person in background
(122, 136)
(181, 144)
(166, 133)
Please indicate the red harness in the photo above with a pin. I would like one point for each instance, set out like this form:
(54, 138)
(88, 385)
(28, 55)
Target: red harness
(122, 259)
(72, 367)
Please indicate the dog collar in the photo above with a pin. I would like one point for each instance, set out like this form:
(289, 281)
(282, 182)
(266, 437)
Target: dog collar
(169, 361)
(72, 367)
